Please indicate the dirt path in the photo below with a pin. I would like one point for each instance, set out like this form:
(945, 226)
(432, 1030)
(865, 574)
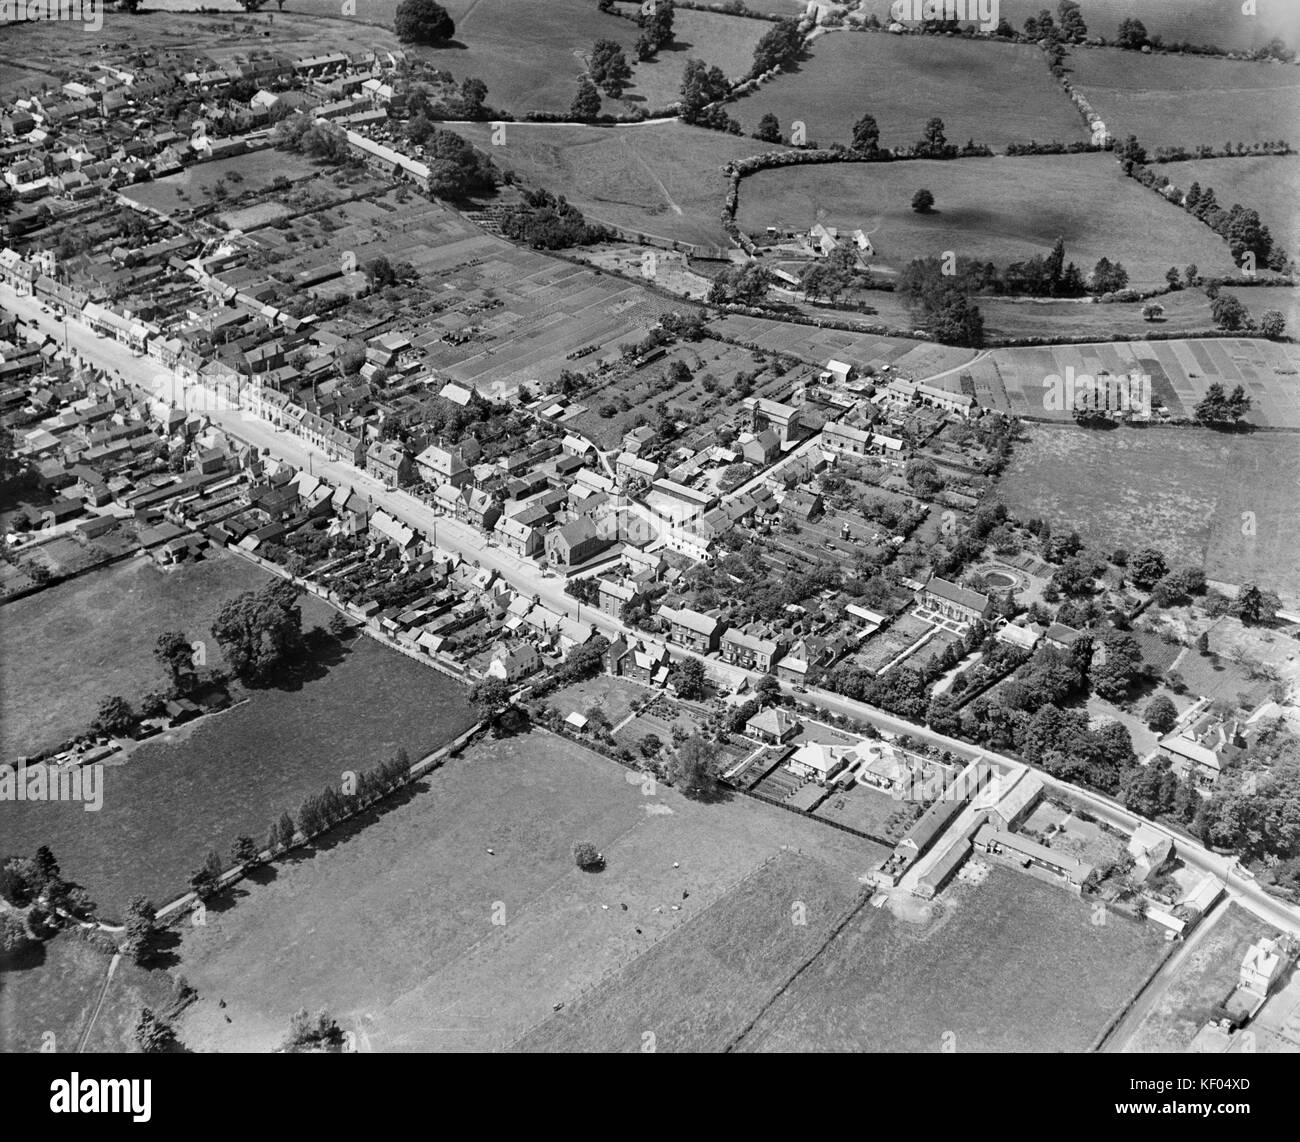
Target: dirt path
(103, 991)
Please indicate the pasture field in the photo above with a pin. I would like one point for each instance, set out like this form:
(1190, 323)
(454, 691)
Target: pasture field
(1186, 311)
(912, 358)
(1012, 964)
(1266, 183)
(71, 645)
(414, 895)
(664, 179)
(1181, 490)
(1084, 199)
(698, 989)
(1205, 979)
(1168, 100)
(993, 93)
(1180, 371)
(52, 989)
(199, 786)
(718, 39)
(1179, 21)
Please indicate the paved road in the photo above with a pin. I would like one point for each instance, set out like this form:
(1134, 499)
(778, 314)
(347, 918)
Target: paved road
(455, 536)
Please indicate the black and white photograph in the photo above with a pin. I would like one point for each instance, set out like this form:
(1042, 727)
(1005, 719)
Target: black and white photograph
(606, 527)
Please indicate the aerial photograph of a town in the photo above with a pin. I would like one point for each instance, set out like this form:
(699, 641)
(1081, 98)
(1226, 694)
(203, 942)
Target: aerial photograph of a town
(650, 526)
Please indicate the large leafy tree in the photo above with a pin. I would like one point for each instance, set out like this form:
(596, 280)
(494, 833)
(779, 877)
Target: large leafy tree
(260, 631)
(692, 769)
(866, 134)
(423, 22)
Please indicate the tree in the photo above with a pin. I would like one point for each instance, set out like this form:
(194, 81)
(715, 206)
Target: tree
(1218, 407)
(243, 850)
(769, 129)
(687, 677)
(1272, 323)
(586, 104)
(1229, 313)
(1203, 643)
(423, 22)
(609, 68)
(1161, 714)
(778, 46)
(1146, 567)
(767, 690)
(923, 201)
(866, 135)
(173, 651)
(656, 23)
(587, 857)
(1118, 666)
(141, 929)
(1132, 34)
(115, 718)
(1250, 604)
(934, 141)
(14, 936)
(1153, 311)
(259, 631)
(701, 86)
(1190, 273)
(204, 882)
(308, 1033)
(691, 770)
(651, 745)
(284, 830)
(1107, 277)
(491, 697)
(154, 1036)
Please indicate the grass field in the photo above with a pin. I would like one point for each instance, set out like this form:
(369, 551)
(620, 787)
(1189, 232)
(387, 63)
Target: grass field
(697, 990)
(993, 93)
(1168, 100)
(1265, 183)
(1182, 490)
(51, 991)
(1084, 199)
(237, 771)
(663, 179)
(71, 645)
(1186, 311)
(1191, 21)
(413, 897)
(1205, 979)
(1012, 964)
(1180, 372)
(913, 358)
